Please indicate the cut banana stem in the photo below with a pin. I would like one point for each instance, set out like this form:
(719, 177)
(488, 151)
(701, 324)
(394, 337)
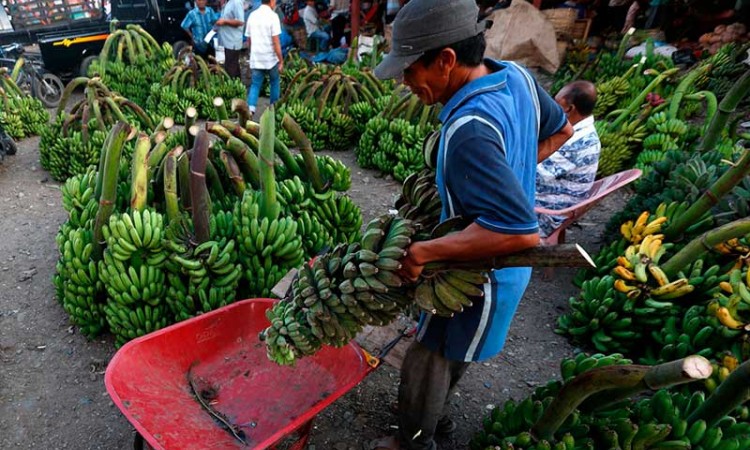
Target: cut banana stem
(199, 189)
(632, 378)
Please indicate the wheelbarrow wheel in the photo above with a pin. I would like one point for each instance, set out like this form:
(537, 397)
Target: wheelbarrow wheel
(139, 443)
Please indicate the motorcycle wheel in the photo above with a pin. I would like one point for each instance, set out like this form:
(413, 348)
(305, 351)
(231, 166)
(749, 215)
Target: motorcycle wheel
(48, 88)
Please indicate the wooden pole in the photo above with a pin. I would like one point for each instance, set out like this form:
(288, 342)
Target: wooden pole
(565, 255)
(355, 20)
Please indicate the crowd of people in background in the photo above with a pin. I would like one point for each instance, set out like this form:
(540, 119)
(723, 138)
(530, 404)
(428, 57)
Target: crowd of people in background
(265, 27)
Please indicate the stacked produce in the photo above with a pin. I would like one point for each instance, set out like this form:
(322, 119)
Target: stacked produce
(131, 61)
(74, 141)
(591, 408)
(193, 82)
(321, 101)
(673, 279)
(20, 114)
(170, 231)
(392, 140)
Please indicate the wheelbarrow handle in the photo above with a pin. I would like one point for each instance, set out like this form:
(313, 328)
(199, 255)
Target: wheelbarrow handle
(374, 361)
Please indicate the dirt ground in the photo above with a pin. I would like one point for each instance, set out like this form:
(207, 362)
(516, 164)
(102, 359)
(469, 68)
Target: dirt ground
(52, 393)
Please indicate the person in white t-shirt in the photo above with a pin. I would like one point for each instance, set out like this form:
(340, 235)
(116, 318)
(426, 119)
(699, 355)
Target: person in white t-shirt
(312, 26)
(262, 31)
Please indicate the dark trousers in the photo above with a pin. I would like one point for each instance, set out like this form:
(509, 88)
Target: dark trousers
(427, 383)
(232, 62)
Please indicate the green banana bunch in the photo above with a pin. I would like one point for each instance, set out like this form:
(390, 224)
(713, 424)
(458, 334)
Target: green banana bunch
(78, 199)
(201, 277)
(22, 116)
(448, 292)
(420, 202)
(605, 317)
(269, 247)
(132, 272)
(609, 94)
(572, 367)
(77, 281)
(334, 296)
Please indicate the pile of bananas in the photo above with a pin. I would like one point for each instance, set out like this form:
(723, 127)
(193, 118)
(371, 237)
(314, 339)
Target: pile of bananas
(392, 146)
(72, 144)
(609, 94)
(662, 421)
(337, 294)
(131, 61)
(20, 115)
(191, 81)
(330, 105)
(666, 134)
(618, 145)
(66, 156)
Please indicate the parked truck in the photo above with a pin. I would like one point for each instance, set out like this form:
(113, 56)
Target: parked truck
(71, 33)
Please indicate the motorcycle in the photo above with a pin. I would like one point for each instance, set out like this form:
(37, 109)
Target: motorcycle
(29, 74)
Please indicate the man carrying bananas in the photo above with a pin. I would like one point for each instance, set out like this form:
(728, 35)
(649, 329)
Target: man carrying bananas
(496, 124)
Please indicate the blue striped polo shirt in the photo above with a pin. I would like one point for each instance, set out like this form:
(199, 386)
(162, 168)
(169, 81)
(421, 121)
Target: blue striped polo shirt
(486, 172)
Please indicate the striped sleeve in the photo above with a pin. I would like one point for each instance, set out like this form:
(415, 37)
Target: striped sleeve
(481, 183)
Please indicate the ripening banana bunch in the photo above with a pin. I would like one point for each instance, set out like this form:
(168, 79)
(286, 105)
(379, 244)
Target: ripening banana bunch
(269, 245)
(77, 281)
(334, 296)
(605, 261)
(722, 368)
(616, 150)
(201, 277)
(641, 277)
(132, 272)
(734, 247)
(605, 317)
(636, 231)
(419, 201)
(731, 305)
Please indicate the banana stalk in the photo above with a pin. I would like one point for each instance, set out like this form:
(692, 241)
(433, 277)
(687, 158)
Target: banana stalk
(239, 107)
(198, 188)
(139, 171)
(721, 187)
(699, 246)
(638, 101)
(635, 378)
(280, 148)
(246, 159)
(727, 108)
(221, 108)
(17, 68)
(183, 180)
(685, 84)
(233, 170)
(731, 393)
(117, 138)
(170, 185)
(268, 203)
(213, 180)
(311, 164)
(624, 43)
(565, 255)
(711, 104)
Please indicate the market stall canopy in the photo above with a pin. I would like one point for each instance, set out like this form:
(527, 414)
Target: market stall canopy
(521, 33)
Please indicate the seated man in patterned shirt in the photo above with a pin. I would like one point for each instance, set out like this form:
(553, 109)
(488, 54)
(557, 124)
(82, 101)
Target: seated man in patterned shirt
(564, 179)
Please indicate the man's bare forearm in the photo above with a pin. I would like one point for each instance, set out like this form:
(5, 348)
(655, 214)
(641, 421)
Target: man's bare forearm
(474, 242)
(550, 145)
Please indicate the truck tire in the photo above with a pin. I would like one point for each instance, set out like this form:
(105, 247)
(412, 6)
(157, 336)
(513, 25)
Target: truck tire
(177, 47)
(83, 69)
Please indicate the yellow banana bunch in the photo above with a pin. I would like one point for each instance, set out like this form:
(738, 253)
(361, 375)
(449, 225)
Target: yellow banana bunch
(636, 231)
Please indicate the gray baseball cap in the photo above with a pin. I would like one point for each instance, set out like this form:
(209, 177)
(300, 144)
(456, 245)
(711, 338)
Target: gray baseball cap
(424, 25)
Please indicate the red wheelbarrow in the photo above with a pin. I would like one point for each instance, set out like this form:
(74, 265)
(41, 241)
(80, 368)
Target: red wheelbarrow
(206, 383)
